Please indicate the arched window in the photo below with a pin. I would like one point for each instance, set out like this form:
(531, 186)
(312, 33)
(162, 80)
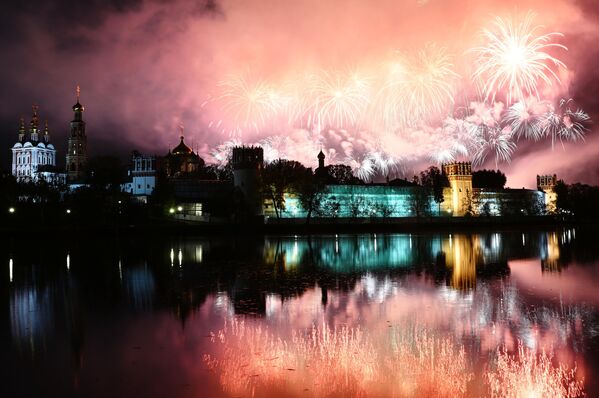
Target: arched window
(72, 166)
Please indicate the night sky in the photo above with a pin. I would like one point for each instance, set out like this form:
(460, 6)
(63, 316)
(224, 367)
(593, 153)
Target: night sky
(146, 67)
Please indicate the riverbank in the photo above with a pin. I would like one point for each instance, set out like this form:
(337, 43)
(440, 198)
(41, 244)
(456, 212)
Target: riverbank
(300, 227)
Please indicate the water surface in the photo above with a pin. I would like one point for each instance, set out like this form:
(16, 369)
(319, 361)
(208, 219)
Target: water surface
(471, 314)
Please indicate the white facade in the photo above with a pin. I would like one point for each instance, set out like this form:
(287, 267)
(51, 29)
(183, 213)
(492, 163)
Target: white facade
(32, 151)
(143, 176)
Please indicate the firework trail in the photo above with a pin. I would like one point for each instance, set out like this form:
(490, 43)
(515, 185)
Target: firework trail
(515, 60)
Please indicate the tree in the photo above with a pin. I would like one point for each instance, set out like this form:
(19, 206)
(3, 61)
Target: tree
(340, 174)
(329, 207)
(420, 201)
(106, 171)
(433, 179)
(280, 177)
(356, 206)
(562, 191)
(384, 210)
(493, 179)
(310, 189)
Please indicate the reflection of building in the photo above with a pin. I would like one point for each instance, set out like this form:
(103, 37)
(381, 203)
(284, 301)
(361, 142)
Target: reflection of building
(550, 252)
(462, 255)
(76, 160)
(33, 156)
(546, 183)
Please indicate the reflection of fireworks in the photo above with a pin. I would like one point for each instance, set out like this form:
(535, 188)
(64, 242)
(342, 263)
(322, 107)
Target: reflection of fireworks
(345, 361)
(531, 375)
(514, 59)
(339, 362)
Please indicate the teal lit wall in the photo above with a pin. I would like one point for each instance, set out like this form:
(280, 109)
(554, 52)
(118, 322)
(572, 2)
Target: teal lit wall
(399, 202)
(368, 198)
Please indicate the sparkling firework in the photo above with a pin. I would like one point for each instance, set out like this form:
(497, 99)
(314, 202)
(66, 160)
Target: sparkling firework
(494, 140)
(416, 89)
(515, 60)
(363, 167)
(564, 123)
(249, 105)
(337, 100)
(524, 119)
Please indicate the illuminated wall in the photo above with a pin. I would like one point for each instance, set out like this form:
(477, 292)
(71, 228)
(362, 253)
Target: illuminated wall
(361, 201)
(368, 201)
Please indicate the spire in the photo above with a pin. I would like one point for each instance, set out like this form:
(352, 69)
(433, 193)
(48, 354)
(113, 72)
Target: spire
(34, 118)
(321, 157)
(34, 125)
(78, 108)
(22, 129)
(46, 132)
(181, 128)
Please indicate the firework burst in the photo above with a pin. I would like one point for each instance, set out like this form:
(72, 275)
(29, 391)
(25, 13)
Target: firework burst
(564, 123)
(515, 60)
(249, 105)
(417, 88)
(336, 100)
(524, 119)
(494, 140)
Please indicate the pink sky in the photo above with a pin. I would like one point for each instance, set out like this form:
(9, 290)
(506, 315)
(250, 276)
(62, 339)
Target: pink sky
(147, 67)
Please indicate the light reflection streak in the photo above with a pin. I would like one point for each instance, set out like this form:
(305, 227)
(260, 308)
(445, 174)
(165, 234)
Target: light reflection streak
(10, 270)
(68, 261)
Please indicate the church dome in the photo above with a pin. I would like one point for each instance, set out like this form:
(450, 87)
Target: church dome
(78, 107)
(182, 149)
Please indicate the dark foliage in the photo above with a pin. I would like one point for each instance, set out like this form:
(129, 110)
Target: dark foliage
(492, 179)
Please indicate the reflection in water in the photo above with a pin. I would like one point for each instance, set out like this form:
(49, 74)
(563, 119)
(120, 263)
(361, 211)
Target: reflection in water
(528, 374)
(550, 255)
(139, 284)
(342, 361)
(342, 315)
(30, 316)
(461, 257)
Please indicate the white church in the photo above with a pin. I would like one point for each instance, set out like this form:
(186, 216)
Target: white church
(33, 156)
